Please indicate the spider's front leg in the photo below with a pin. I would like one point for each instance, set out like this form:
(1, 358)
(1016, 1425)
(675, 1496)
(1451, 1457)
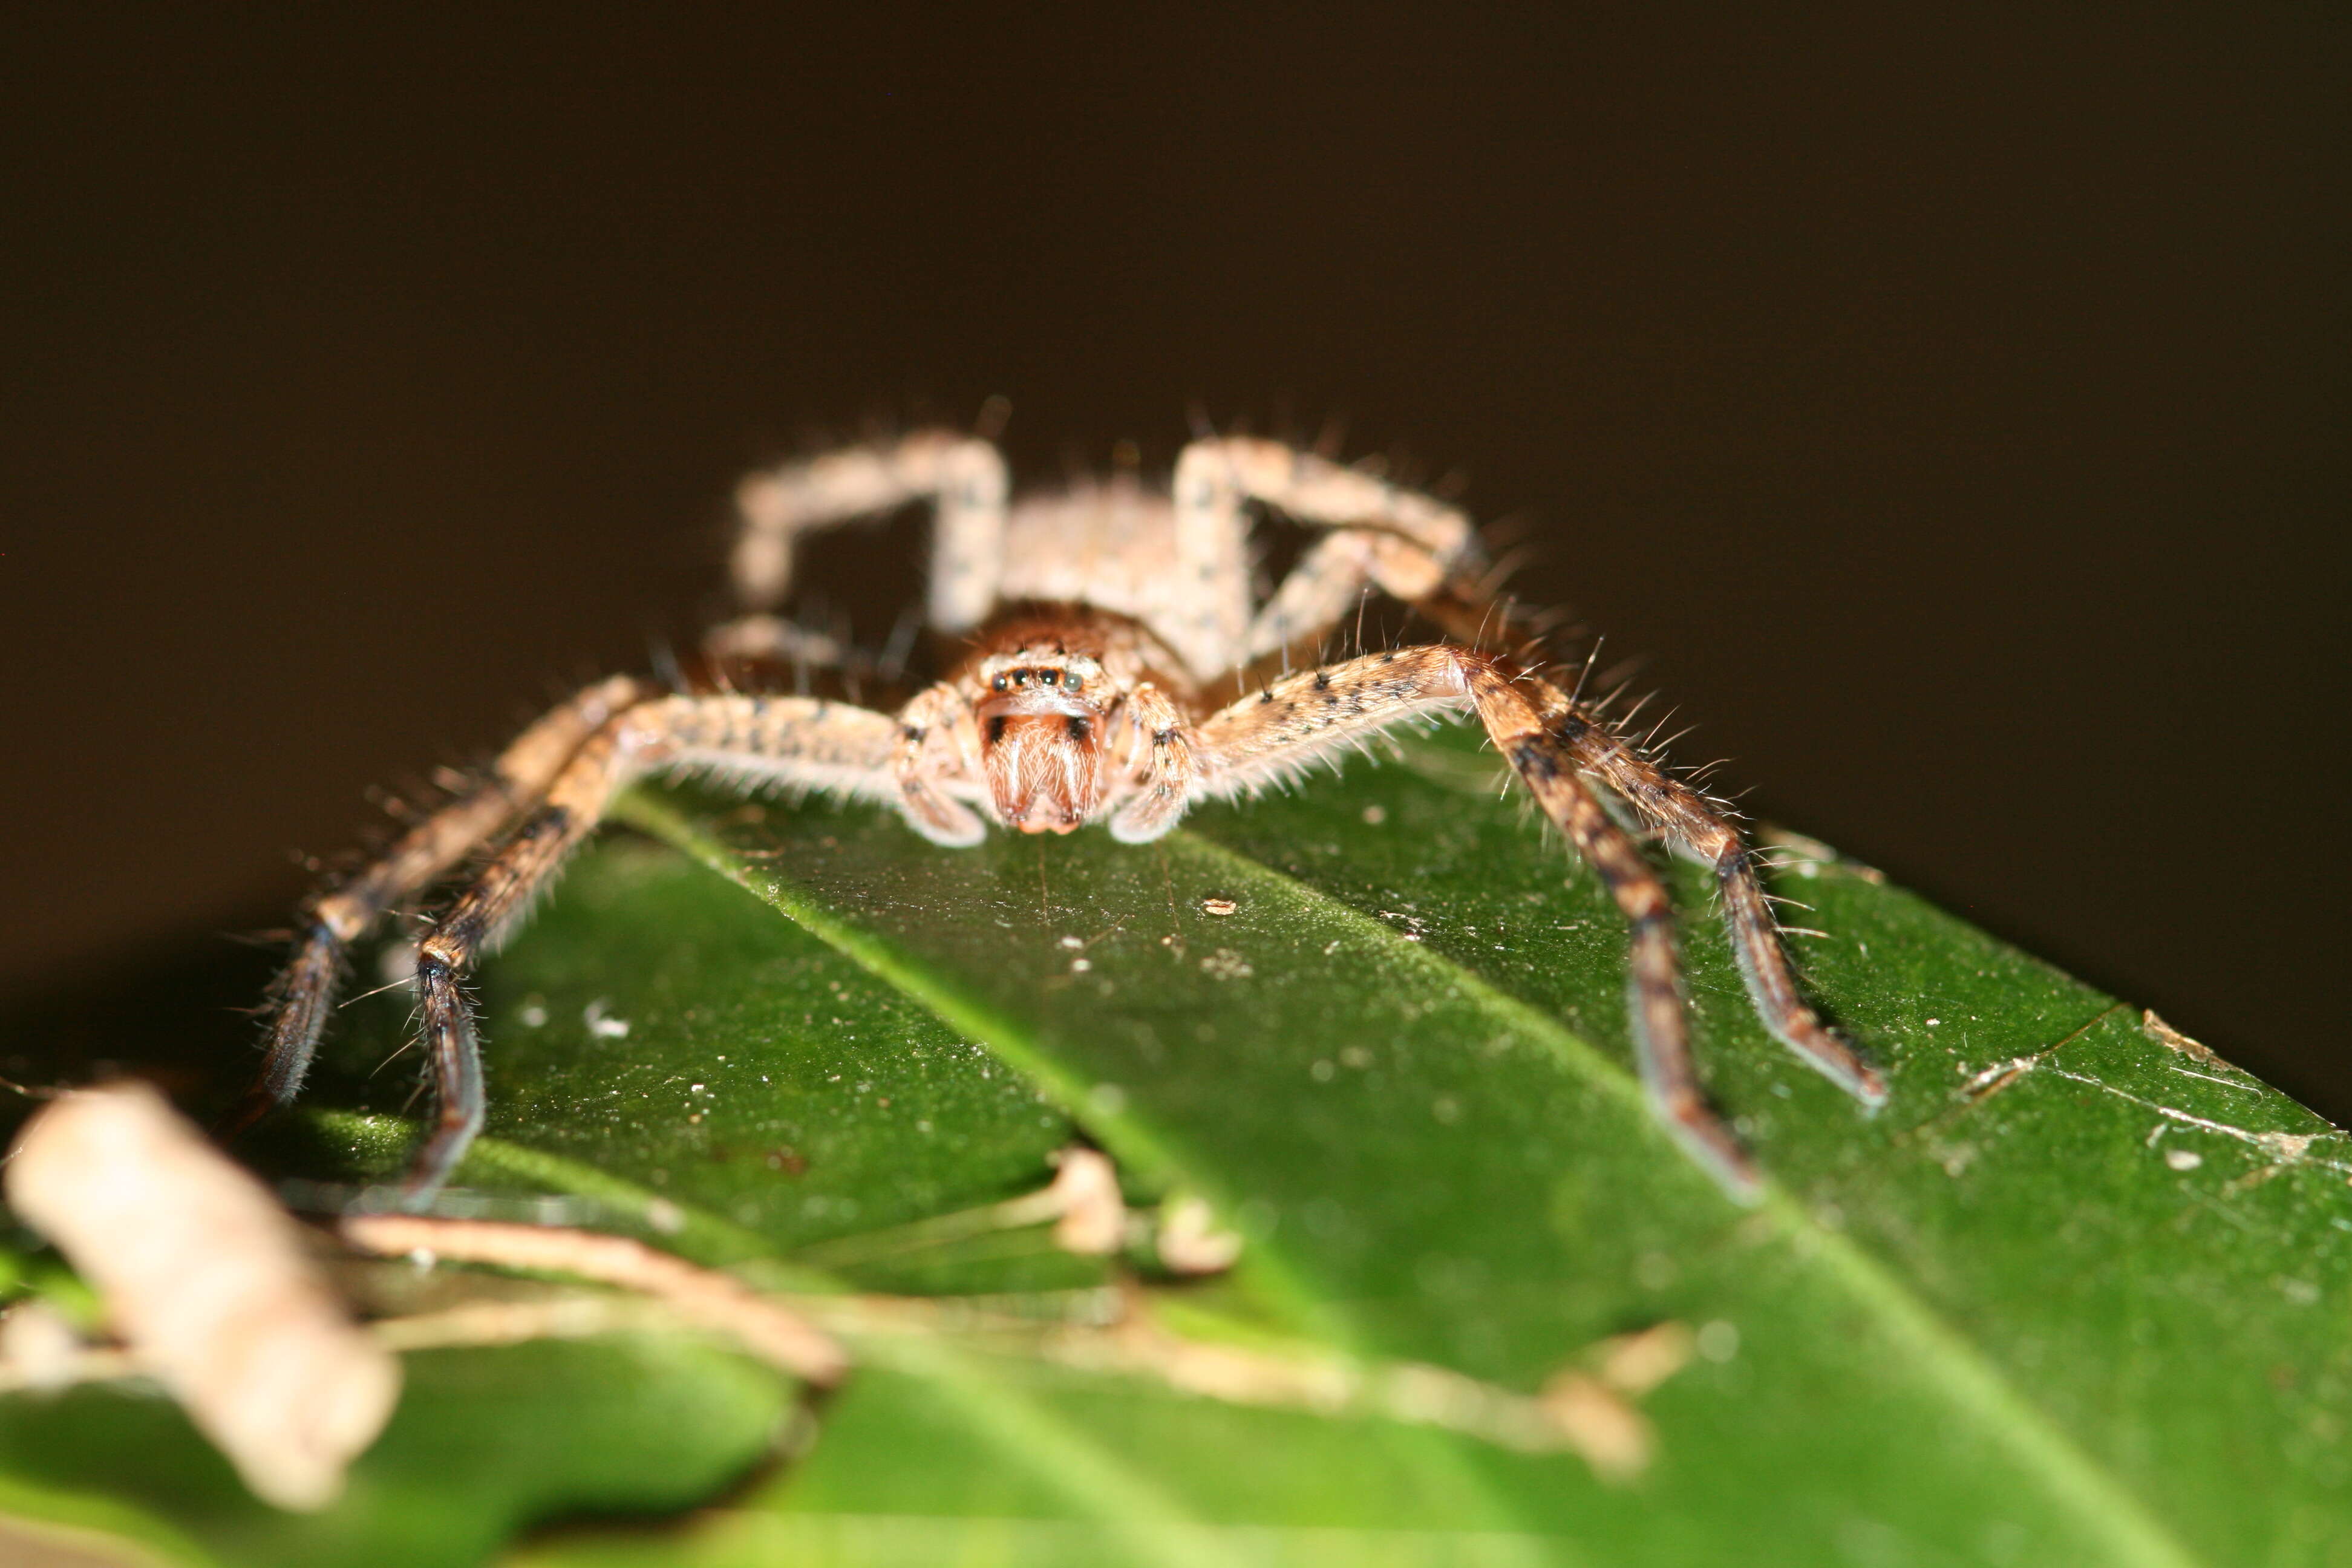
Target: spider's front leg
(304, 992)
(1698, 827)
(1660, 1021)
(747, 742)
(1549, 743)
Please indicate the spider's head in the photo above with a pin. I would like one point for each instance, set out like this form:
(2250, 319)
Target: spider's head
(1041, 738)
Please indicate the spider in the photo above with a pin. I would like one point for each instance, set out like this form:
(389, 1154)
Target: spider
(1096, 624)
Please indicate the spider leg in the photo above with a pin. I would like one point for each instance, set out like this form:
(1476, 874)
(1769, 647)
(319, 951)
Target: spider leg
(1416, 562)
(1402, 540)
(748, 743)
(964, 478)
(1211, 624)
(304, 992)
(1697, 827)
(1330, 580)
(1414, 553)
(1660, 1024)
(762, 636)
(1266, 738)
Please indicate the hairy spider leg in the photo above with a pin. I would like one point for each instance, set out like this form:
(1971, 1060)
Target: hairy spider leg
(1403, 541)
(1399, 540)
(1269, 737)
(305, 990)
(963, 476)
(748, 743)
(766, 637)
(1697, 826)
(1414, 551)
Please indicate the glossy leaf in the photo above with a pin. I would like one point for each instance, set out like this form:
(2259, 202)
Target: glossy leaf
(485, 1441)
(2078, 1294)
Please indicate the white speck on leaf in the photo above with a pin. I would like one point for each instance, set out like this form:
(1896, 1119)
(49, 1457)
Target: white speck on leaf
(1226, 964)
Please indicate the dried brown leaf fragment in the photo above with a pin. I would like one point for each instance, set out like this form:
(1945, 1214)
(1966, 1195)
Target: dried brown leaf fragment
(701, 1296)
(206, 1280)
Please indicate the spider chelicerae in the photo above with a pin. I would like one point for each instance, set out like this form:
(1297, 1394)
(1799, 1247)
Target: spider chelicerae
(1100, 626)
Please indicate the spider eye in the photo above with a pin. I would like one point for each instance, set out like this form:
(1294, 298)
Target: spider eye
(1073, 682)
(998, 683)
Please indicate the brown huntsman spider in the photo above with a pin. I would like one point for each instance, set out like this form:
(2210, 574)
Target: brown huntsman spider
(1096, 625)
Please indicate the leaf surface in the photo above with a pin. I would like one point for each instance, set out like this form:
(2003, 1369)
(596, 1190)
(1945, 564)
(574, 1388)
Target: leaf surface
(2079, 1294)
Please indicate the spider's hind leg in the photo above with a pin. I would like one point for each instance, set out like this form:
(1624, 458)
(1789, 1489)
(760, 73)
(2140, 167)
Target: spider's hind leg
(1385, 535)
(963, 476)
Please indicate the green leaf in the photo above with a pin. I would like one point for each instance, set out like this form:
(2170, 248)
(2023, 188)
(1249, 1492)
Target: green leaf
(484, 1441)
(2078, 1294)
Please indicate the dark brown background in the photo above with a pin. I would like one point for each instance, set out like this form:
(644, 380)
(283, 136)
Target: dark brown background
(1957, 418)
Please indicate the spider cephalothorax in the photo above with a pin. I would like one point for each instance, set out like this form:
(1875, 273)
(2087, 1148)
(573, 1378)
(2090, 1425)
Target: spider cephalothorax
(1099, 624)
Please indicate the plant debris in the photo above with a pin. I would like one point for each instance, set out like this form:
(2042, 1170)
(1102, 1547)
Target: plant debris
(206, 1278)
